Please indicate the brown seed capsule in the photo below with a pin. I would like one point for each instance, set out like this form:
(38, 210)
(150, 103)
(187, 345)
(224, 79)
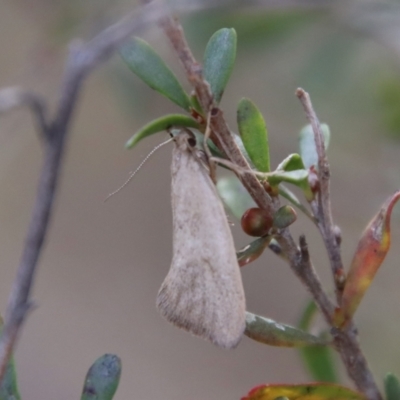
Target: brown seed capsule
(256, 222)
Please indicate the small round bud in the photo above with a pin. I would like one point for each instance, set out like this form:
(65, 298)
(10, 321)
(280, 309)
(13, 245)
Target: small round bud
(256, 222)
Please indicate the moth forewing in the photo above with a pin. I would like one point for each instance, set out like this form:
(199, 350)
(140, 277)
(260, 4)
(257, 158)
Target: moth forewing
(203, 291)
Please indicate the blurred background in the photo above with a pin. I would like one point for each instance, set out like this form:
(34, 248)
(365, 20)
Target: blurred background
(104, 262)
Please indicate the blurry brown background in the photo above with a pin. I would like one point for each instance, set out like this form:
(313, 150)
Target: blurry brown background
(104, 262)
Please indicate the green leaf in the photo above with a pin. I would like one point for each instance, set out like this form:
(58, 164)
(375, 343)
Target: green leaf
(254, 134)
(148, 65)
(252, 251)
(392, 387)
(194, 101)
(298, 177)
(308, 149)
(291, 163)
(219, 59)
(161, 124)
(272, 333)
(289, 195)
(318, 360)
(9, 387)
(102, 379)
(284, 217)
(235, 196)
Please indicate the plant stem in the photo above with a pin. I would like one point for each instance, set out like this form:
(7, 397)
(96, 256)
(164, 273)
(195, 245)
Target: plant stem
(322, 205)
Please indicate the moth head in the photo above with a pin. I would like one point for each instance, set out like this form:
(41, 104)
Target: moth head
(184, 139)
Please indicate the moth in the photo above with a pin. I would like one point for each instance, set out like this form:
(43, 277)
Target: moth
(203, 291)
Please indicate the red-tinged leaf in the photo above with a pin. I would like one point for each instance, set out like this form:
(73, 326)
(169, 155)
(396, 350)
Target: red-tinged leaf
(371, 251)
(252, 251)
(310, 391)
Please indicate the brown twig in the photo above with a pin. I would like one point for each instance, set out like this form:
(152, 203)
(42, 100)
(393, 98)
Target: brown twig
(82, 59)
(322, 205)
(220, 130)
(345, 341)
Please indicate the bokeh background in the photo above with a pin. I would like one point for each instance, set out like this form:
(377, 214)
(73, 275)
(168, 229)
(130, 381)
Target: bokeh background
(104, 262)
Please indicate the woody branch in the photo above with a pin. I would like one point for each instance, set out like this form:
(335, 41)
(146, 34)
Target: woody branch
(82, 59)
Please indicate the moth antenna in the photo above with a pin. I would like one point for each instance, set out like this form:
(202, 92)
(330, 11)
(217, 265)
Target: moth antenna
(132, 174)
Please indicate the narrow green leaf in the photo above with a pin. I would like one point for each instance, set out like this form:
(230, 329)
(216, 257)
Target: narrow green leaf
(9, 387)
(318, 360)
(194, 101)
(159, 125)
(219, 59)
(252, 251)
(235, 196)
(102, 379)
(254, 134)
(270, 332)
(289, 195)
(291, 163)
(239, 142)
(392, 387)
(297, 177)
(148, 65)
(308, 149)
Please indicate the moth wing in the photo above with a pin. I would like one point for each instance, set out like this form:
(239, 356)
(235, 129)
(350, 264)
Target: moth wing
(203, 291)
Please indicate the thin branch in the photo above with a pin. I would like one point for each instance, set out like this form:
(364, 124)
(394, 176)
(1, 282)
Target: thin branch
(306, 272)
(12, 97)
(346, 341)
(322, 205)
(82, 59)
